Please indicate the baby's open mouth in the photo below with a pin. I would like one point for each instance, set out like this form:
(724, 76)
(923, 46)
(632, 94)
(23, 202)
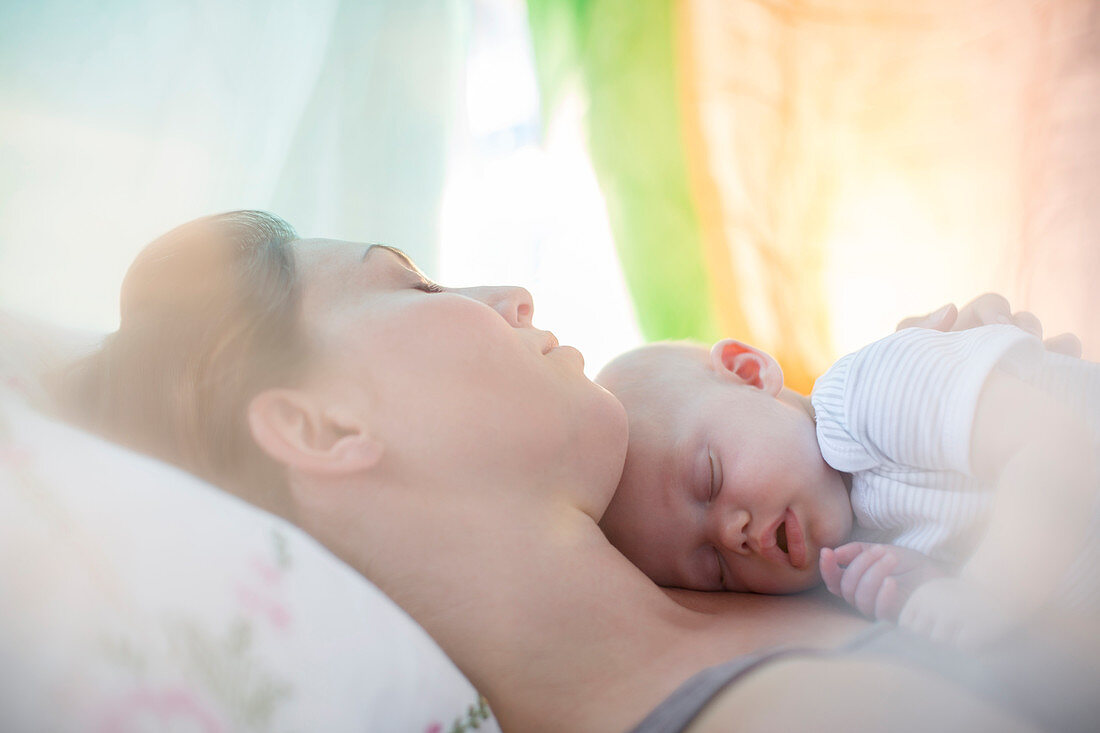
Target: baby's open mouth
(781, 536)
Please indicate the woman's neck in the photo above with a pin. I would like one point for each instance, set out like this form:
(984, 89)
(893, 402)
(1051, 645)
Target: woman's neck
(551, 623)
(523, 592)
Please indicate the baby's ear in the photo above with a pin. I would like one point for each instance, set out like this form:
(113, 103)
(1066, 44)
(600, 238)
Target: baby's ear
(748, 365)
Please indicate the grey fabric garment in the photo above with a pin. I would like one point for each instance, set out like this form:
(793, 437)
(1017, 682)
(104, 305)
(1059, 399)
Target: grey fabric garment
(679, 709)
(1028, 675)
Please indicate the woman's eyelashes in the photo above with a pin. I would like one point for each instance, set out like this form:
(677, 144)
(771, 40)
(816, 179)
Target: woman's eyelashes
(429, 287)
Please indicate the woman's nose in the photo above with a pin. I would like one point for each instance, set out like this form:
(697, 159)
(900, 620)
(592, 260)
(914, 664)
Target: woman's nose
(513, 303)
(730, 526)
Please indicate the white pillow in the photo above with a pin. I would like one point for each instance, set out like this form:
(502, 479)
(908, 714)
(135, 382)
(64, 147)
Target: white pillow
(135, 597)
(31, 349)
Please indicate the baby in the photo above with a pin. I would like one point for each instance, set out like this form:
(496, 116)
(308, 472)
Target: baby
(733, 482)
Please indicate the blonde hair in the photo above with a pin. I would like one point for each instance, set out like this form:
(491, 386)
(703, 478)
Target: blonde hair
(209, 318)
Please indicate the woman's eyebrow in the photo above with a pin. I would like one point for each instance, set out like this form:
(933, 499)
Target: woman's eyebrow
(405, 259)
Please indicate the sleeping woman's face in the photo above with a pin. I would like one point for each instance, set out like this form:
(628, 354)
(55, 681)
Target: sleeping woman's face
(450, 379)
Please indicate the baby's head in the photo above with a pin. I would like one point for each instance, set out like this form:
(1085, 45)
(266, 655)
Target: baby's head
(724, 486)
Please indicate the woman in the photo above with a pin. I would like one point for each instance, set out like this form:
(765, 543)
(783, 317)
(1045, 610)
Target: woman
(459, 458)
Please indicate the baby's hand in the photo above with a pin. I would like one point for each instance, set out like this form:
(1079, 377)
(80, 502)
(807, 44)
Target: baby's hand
(877, 579)
(959, 612)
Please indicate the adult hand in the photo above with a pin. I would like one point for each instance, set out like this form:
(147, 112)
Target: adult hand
(988, 309)
(959, 612)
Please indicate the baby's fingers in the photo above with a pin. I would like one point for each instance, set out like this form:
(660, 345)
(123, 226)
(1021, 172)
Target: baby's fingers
(830, 570)
(849, 581)
(889, 602)
(870, 585)
(850, 551)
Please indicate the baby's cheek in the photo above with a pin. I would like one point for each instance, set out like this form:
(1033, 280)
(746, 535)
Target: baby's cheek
(838, 524)
(810, 578)
(617, 526)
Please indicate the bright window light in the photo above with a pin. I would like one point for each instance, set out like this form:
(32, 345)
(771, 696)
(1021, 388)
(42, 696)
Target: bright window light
(519, 212)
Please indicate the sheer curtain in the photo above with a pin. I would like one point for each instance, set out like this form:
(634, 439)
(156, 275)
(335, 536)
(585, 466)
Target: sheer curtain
(876, 159)
(120, 119)
(802, 173)
(413, 122)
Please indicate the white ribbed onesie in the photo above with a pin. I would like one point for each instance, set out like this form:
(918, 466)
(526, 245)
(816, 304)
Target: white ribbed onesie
(897, 416)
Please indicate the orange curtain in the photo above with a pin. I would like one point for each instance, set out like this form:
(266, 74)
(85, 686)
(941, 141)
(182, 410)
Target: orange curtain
(825, 168)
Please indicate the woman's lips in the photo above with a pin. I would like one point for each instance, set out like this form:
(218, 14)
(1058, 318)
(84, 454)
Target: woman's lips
(549, 343)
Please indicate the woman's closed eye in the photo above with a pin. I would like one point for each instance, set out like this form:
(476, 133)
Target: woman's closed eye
(428, 286)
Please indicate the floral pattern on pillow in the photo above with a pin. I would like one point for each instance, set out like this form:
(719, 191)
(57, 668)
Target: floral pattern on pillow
(137, 598)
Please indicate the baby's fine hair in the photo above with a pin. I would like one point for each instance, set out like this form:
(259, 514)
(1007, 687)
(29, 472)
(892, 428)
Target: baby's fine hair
(640, 366)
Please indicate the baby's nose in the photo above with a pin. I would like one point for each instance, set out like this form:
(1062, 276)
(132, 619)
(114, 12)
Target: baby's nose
(731, 531)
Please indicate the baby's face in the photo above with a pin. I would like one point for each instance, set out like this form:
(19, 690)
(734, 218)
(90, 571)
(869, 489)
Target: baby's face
(724, 486)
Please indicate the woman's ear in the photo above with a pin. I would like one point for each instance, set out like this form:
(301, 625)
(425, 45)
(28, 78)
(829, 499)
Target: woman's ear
(298, 432)
(748, 365)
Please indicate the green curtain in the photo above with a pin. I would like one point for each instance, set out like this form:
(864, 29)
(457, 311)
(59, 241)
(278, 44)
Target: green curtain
(619, 54)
